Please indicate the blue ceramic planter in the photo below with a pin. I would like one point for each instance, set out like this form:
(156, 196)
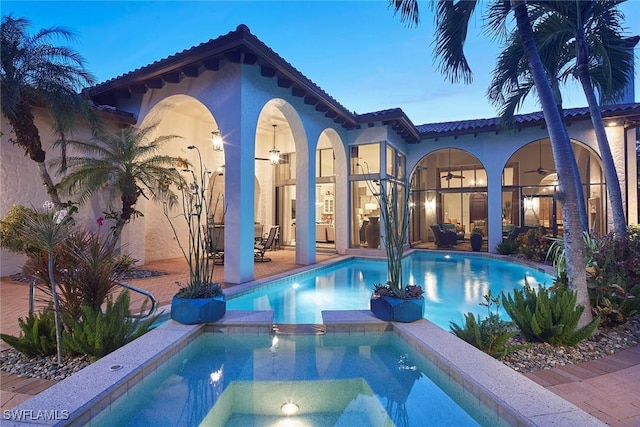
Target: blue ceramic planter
(397, 309)
(198, 310)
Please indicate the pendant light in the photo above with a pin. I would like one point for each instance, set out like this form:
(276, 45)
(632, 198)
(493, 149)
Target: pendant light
(216, 140)
(274, 154)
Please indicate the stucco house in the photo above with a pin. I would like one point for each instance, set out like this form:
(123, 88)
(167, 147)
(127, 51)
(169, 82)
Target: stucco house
(470, 173)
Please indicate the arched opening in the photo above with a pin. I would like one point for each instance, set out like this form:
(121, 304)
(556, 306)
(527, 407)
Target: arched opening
(280, 146)
(193, 123)
(530, 189)
(449, 191)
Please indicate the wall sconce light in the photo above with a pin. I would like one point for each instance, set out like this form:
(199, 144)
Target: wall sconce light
(216, 140)
(430, 204)
(274, 154)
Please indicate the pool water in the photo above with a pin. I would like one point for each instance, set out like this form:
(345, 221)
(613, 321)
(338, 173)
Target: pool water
(453, 286)
(369, 379)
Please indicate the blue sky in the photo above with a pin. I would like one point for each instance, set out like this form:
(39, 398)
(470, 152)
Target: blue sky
(357, 51)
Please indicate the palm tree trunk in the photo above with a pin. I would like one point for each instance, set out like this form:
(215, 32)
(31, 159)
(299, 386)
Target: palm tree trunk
(52, 191)
(611, 177)
(562, 154)
(27, 137)
(584, 222)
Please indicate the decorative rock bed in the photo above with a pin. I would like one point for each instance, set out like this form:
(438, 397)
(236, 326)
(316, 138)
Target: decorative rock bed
(608, 340)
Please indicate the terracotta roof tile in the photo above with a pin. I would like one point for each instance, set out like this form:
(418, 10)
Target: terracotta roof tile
(461, 127)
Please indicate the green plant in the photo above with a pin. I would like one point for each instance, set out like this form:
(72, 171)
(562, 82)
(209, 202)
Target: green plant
(99, 333)
(46, 233)
(193, 290)
(619, 259)
(548, 315)
(34, 72)
(124, 263)
(477, 230)
(127, 163)
(556, 252)
(197, 209)
(37, 336)
(392, 195)
(85, 271)
(489, 334)
(11, 236)
(507, 247)
(534, 244)
(612, 302)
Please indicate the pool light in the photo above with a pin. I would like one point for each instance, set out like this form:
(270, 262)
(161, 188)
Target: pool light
(215, 376)
(289, 409)
(295, 285)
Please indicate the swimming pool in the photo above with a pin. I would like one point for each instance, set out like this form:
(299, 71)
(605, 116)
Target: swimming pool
(371, 379)
(453, 285)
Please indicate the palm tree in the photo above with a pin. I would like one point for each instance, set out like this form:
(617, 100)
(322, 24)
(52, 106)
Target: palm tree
(126, 164)
(452, 19)
(599, 47)
(584, 40)
(47, 232)
(34, 72)
(512, 83)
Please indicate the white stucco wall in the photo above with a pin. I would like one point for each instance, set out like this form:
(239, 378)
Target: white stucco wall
(20, 183)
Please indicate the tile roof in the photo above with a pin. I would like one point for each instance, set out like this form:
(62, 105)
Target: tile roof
(241, 46)
(462, 127)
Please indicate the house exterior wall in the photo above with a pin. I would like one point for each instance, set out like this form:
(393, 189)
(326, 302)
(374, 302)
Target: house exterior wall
(234, 100)
(20, 182)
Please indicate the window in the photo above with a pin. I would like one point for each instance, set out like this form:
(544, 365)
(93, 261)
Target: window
(365, 159)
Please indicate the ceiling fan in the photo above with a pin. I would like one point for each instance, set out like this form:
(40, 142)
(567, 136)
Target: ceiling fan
(540, 170)
(449, 176)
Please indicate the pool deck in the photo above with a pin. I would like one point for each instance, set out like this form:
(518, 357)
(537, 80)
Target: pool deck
(608, 388)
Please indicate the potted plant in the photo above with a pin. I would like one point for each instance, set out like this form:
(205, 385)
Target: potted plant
(395, 300)
(476, 239)
(201, 300)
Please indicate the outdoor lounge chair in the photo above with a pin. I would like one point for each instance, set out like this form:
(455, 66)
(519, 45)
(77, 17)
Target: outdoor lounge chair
(458, 230)
(444, 238)
(260, 248)
(215, 243)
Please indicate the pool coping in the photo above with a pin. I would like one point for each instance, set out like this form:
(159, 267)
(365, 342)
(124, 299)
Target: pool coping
(518, 400)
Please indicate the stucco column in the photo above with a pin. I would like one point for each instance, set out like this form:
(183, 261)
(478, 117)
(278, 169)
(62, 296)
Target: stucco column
(305, 204)
(494, 198)
(238, 220)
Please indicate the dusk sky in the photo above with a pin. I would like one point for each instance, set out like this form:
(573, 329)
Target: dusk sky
(357, 51)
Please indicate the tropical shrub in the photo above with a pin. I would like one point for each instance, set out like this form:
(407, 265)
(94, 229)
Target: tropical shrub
(612, 302)
(99, 333)
(534, 244)
(507, 247)
(85, 271)
(489, 334)
(11, 236)
(124, 263)
(548, 315)
(556, 252)
(618, 260)
(37, 336)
